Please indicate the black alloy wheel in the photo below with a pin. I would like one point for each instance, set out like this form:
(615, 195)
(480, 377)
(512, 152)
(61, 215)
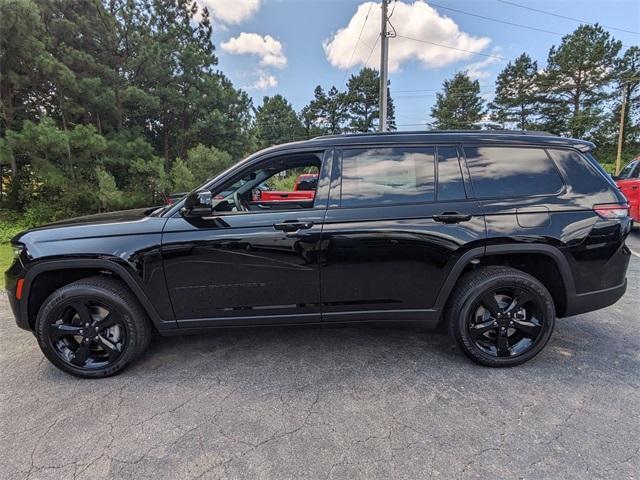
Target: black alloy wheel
(88, 334)
(506, 322)
(92, 328)
(500, 316)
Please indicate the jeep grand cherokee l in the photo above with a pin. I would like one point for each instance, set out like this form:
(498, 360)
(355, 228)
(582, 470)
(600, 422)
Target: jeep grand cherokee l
(493, 233)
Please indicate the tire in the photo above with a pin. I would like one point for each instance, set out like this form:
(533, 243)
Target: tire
(92, 328)
(500, 316)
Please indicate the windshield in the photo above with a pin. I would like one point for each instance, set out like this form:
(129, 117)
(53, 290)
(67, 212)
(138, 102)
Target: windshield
(629, 171)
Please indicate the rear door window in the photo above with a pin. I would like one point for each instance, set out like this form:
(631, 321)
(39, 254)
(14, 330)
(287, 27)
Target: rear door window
(387, 176)
(501, 172)
(450, 181)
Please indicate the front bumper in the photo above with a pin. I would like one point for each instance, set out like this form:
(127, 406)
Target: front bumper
(11, 277)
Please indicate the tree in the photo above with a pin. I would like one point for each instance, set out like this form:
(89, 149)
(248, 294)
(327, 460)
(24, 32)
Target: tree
(627, 78)
(459, 106)
(363, 101)
(207, 162)
(516, 99)
(326, 114)
(182, 180)
(277, 122)
(578, 70)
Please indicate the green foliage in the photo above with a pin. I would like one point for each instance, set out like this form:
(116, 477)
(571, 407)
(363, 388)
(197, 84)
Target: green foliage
(127, 88)
(207, 162)
(363, 102)
(459, 106)
(182, 180)
(516, 99)
(277, 122)
(578, 70)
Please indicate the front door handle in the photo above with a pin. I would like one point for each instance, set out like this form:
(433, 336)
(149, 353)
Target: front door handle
(451, 217)
(292, 225)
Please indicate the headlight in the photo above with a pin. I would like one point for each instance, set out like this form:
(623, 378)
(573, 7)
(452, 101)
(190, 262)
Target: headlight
(17, 250)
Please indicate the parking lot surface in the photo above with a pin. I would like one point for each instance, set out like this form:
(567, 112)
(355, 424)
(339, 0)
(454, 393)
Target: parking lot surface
(332, 403)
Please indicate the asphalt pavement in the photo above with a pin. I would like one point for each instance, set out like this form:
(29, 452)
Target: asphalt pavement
(292, 403)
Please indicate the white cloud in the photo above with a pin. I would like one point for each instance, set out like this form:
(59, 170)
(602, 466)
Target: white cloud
(267, 48)
(478, 70)
(417, 20)
(264, 82)
(231, 11)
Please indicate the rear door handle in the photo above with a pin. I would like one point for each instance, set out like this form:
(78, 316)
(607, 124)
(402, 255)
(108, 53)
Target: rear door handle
(451, 217)
(292, 225)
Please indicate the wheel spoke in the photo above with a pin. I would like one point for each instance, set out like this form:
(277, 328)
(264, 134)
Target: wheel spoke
(520, 298)
(62, 329)
(478, 329)
(489, 302)
(529, 329)
(83, 311)
(109, 321)
(502, 345)
(81, 354)
(111, 348)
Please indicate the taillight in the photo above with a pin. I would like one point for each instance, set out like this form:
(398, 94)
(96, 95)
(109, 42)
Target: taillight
(611, 211)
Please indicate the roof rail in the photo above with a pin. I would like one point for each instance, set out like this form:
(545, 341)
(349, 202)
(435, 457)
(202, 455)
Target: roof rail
(536, 133)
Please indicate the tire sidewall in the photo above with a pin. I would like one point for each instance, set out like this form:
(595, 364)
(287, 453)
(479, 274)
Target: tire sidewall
(463, 337)
(86, 292)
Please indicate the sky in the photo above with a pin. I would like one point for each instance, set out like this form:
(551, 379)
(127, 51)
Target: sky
(288, 47)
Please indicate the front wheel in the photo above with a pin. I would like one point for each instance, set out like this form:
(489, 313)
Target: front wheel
(92, 328)
(500, 316)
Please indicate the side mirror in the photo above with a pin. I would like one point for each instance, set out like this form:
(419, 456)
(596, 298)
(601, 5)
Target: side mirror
(198, 204)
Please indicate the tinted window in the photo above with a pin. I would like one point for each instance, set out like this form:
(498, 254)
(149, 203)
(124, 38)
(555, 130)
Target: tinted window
(511, 172)
(380, 176)
(630, 171)
(450, 183)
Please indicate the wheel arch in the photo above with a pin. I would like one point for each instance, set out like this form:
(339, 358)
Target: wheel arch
(532, 259)
(44, 278)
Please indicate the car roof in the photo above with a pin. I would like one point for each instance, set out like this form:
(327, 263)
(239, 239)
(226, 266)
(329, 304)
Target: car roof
(506, 137)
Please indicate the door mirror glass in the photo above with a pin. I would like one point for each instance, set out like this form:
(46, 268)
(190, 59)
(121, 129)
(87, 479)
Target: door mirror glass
(198, 204)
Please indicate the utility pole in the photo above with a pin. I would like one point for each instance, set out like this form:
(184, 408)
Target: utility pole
(621, 129)
(384, 60)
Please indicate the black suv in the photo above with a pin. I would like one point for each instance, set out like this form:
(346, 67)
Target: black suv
(493, 233)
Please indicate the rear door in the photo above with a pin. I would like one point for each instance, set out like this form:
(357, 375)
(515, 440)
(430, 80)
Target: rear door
(397, 223)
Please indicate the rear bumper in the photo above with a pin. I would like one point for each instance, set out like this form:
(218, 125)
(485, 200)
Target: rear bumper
(590, 301)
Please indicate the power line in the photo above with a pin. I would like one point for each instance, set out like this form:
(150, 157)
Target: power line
(357, 41)
(564, 16)
(496, 20)
(453, 48)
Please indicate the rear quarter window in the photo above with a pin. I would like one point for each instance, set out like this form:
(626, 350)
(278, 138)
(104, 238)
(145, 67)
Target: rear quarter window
(502, 172)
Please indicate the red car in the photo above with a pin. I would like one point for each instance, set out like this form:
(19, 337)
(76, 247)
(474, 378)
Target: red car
(629, 184)
(303, 189)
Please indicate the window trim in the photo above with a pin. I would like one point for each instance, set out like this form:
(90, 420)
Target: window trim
(437, 179)
(561, 191)
(327, 160)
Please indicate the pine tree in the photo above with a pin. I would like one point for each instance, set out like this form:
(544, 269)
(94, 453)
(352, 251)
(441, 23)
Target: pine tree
(577, 73)
(516, 100)
(277, 122)
(363, 102)
(459, 106)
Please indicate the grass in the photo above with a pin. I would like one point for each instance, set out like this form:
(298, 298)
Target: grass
(6, 257)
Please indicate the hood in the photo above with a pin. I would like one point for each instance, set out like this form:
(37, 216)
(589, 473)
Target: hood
(125, 222)
(109, 217)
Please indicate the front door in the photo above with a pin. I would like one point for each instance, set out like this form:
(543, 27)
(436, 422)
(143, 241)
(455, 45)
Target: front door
(254, 261)
(393, 233)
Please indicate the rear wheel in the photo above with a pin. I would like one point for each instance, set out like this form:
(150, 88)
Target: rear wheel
(500, 316)
(92, 328)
